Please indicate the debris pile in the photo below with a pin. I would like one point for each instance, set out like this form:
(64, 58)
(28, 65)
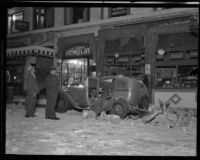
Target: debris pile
(115, 119)
(171, 117)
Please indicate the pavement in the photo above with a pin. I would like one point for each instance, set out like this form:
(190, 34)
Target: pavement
(76, 134)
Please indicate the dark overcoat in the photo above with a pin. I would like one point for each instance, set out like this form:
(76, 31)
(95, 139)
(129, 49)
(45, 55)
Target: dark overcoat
(31, 88)
(52, 90)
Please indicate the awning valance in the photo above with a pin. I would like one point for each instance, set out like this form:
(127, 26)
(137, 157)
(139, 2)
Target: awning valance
(31, 51)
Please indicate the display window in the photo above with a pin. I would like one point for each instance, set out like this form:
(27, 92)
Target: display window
(176, 76)
(176, 61)
(15, 78)
(74, 71)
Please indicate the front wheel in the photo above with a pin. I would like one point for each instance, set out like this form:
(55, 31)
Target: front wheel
(120, 108)
(62, 104)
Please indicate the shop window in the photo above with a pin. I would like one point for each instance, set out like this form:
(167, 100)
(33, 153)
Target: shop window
(176, 63)
(80, 14)
(74, 71)
(11, 21)
(15, 78)
(165, 76)
(177, 69)
(118, 11)
(181, 76)
(187, 76)
(43, 17)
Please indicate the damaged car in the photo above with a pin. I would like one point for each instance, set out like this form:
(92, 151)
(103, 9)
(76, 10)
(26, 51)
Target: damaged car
(118, 95)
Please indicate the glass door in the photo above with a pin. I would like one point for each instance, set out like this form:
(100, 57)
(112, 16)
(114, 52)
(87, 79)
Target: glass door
(74, 71)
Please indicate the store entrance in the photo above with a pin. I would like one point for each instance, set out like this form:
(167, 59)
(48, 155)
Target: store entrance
(74, 71)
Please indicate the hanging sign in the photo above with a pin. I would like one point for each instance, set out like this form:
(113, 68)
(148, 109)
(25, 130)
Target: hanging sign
(77, 50)
(21, 25)
(118, 11)
(147, 69)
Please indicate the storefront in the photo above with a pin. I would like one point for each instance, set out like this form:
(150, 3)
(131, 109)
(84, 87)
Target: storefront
(77, 56)
(17, 61)
(174, 53)
(122, 51)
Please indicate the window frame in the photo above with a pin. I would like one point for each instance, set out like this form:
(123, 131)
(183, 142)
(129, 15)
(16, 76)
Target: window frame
(12, 24)
(87, 17)
(36, 25)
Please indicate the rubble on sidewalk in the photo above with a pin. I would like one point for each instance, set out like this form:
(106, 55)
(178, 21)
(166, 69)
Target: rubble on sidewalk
(88, 114)
(115, 119)
(171, 117)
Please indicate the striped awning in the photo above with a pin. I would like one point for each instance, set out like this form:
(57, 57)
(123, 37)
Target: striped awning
(31, 51)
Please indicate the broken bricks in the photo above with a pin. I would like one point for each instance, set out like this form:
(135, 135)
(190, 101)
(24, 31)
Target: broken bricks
(88, 114)
(115, 119)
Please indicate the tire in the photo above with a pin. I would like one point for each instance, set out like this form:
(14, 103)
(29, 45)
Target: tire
(120, 108)
(144, 103)
(62, 104)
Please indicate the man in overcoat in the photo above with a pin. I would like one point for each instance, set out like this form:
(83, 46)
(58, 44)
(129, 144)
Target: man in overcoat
(52, 90)
(31, 88)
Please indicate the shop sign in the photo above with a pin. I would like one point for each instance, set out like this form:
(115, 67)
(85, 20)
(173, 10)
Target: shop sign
(147, 69)
(118, 11)
(78, 50)
(21, 25)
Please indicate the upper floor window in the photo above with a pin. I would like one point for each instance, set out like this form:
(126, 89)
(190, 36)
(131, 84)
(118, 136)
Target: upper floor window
(118, 11)
(80, 14)
(76, 15)
(43, 17)
(11, 21)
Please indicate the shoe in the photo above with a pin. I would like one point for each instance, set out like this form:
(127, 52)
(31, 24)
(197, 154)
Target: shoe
(54, 118)
(27, 116)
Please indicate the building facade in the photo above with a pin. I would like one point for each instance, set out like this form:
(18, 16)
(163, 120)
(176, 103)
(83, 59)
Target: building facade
(154, 42)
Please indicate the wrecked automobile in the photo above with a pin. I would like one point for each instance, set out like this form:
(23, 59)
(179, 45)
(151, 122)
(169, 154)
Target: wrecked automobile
(118, 95)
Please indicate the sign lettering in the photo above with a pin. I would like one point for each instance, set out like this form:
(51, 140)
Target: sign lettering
(77, 51)
(21, 25)
(118, 11)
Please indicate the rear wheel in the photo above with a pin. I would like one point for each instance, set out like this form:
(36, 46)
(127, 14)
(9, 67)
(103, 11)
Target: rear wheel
(120, 108)
(62, 104)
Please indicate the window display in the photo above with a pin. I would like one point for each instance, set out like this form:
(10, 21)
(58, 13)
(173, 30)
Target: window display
(74, 71)
(131, 65)
(180, 76)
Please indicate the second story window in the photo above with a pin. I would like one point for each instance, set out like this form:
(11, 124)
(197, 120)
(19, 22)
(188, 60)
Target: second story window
(118, 11)
(11, 21)
(80, 14)
(43, 17)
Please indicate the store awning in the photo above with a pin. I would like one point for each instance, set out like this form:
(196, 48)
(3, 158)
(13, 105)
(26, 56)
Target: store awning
(31, 51)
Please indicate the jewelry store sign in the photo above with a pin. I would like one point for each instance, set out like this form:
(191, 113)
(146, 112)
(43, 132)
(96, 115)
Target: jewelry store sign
(77, 50)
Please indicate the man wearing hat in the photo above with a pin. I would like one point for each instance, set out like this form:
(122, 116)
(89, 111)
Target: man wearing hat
(31, 88)
(52, 89)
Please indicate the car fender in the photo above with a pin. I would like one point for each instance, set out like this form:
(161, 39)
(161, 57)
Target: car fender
(71, 100)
